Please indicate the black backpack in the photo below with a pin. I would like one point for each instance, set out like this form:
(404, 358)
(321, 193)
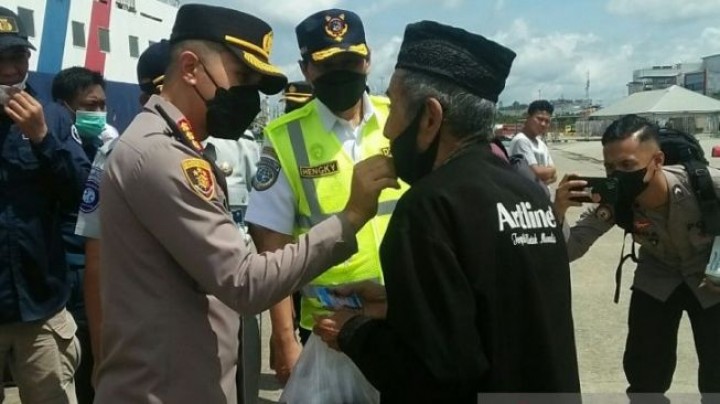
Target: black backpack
(683, 149)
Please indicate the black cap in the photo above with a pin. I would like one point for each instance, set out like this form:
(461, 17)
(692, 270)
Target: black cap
(466, 59)
(297, 91)
(151, 66)
(12, 31)
(249, 37)
(296, 95)
(331, 32)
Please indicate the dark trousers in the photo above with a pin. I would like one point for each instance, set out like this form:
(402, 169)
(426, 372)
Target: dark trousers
(76, 305)
(651, 349)
(249, 361)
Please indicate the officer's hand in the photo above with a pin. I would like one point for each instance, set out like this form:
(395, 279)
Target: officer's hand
(371, 293)
(370, 177)
(28, 115)
(708, 285)
(565, 192)
(286, 352)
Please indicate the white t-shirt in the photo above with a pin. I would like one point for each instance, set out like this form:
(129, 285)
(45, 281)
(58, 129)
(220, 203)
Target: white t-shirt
(535, 151)
(273, 206)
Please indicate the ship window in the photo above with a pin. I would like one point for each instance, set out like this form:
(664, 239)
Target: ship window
(26, 16)
(78, 32)
(128, 5)
(104, 37)
(134, 46)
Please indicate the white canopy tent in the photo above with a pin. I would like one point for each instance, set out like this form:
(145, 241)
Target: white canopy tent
(684, 109)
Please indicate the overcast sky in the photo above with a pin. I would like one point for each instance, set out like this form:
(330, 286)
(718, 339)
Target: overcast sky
(557, 41)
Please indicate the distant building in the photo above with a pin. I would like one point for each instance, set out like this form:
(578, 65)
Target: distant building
(661, 77)
(703, 77)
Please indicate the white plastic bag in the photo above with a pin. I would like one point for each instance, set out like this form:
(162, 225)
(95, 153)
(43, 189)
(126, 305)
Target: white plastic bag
(325, 376)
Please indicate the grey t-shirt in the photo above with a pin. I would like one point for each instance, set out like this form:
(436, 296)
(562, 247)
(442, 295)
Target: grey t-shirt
(535, 150)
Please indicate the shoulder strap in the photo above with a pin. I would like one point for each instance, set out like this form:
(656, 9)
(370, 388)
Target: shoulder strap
(704, 189)
(623, 258)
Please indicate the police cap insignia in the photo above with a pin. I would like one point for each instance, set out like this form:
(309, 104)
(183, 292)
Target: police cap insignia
(8, 25)
(267, 173)
(336, 27)
(12, 31)
(200, 177)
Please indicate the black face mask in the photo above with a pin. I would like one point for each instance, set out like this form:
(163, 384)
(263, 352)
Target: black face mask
(340, 90)
(231, 111)
(410, 163)
(630, 186)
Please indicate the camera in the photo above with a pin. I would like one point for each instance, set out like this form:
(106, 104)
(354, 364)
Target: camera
(606, 187)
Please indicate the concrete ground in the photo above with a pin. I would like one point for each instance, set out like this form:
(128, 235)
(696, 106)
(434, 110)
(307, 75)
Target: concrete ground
(600, 324)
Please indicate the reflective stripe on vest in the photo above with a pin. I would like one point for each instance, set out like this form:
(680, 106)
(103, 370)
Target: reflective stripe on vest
(308, 184)
(319, 197)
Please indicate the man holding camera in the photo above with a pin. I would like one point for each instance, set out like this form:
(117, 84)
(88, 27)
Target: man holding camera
(658, 206)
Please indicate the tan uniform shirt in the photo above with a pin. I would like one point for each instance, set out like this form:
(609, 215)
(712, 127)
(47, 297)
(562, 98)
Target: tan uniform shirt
(176, 271)
(672, 250)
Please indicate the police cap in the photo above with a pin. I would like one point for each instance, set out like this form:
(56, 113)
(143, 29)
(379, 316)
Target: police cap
(297, 91)
(12, 31)
(329, 33)
(469, 60)
(151, 66)
(247, 36)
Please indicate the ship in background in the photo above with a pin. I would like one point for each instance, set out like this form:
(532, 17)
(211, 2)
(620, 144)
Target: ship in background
(106, 36)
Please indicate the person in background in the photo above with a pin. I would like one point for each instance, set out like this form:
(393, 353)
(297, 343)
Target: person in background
(237, 161)
(150, 69)
(529, 142)
(82, 92)
(296, 95)
(657, 204)
(42, 172)
(305, 170)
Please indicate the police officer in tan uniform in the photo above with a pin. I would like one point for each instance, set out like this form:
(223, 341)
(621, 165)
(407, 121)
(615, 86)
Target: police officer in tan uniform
(657, 205)
(175, 269)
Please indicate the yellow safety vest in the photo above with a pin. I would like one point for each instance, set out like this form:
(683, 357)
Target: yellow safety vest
(320, 173)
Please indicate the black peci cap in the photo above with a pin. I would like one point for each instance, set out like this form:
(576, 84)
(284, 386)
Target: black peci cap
(247, 36)
(12, 31)
(469, 60)
(329, 33)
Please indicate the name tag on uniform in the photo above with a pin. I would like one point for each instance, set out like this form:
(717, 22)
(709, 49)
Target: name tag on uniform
(319, 171)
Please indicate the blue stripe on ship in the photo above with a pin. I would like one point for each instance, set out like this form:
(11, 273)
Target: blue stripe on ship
(55, 27)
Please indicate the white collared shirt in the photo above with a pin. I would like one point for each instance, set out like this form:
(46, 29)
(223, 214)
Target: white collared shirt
(274, 208)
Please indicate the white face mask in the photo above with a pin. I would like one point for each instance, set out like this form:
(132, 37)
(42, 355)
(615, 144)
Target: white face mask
(6, 91)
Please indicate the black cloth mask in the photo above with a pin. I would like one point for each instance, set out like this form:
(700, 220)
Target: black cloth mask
(231, 111)
(340, 90)
(630, 185)
(410, 163)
